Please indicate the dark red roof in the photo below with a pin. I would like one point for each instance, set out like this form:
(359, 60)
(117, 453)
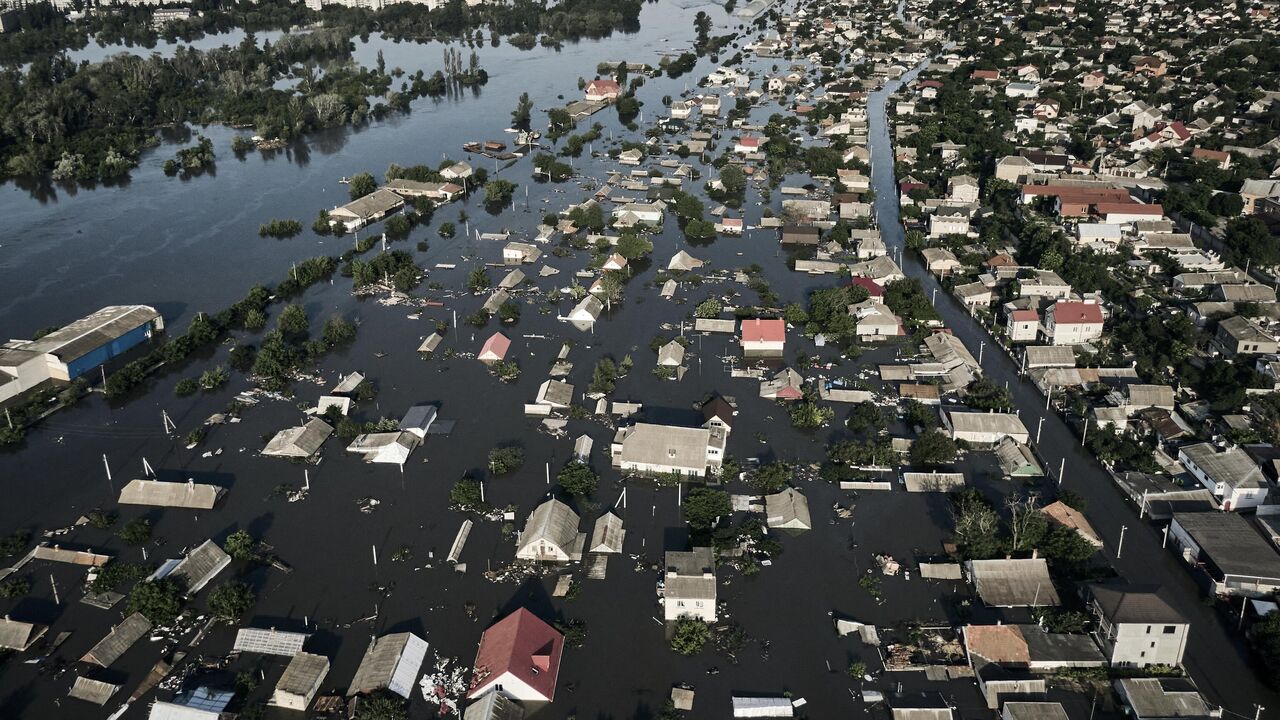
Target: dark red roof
(523, 645)
(1076, 313)
(871, 286)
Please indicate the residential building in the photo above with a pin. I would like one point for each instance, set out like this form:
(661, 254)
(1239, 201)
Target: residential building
(551, 534)
(1231, 475)
(1225, 546)
(494, 349)
(602, 90)
(1137, 627)
(1023, 325)
(1238, 335)
(369, 209)
(669, 449)
(300, 682)
(1073, 323)
(689, 585)
(763, 337)
(519, 657)
(984, 429)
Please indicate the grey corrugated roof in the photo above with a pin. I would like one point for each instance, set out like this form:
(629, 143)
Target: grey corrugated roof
(200, 566)
(303, 673)
(93, 331)
(1013, 582)
(787, 509)
(1124, 603)
(301, 441)
(554, 522)
(1164, 698)
(158, 493)
(608, 534)
(17, 635)
(378, 665)
(666, 445)
(94, 691)
(1035, 711)
(118, 640)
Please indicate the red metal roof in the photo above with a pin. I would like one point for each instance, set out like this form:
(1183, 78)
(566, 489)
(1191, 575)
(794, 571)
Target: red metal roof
(1130, 208)
(760, 330)
(523, 645)
(871, 286)
(496, 346)
(1024, 316)
(1076, 313)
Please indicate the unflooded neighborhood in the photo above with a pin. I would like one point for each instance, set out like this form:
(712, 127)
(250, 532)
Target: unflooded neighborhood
(606, 359)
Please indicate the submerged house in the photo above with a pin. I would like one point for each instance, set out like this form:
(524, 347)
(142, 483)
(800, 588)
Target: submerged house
(689, 584)
(300, 682)
(668, 449)
(303, 441)
(787, 510)
(156, 493)
(519, 657)
(391, 663)
(369, 209)
(551, 534)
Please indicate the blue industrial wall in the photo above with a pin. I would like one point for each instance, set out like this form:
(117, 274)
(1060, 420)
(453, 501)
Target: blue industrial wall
(106, 351)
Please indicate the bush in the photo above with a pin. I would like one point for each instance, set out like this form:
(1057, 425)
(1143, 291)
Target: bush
(690, 635)
(932, 448)
(578, 480)
(159, 601)
(467, 496)
(337, 331)
(703, 505)
(280, 229)
(231, 600)
(186, 386)
(240, 545)
(136, 532)
(503, 460)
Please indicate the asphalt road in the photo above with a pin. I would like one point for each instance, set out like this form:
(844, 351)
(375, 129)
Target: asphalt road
(1217, 656)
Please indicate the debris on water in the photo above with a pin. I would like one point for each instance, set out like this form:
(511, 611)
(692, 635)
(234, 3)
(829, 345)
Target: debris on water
(444, 685)
(368, 504)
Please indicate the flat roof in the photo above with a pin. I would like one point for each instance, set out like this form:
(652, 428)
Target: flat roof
(1233, 545)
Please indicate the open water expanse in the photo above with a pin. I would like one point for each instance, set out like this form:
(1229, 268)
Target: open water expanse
(186, 246)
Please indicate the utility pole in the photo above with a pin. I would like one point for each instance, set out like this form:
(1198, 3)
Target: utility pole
(1039, 429)
(981, 346)
(1120, 546)
(1257, 713)
(1084, 434)
(1062, 467)
(54, 583)
(1165, 542)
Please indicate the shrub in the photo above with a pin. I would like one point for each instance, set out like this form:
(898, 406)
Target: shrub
(690, 635)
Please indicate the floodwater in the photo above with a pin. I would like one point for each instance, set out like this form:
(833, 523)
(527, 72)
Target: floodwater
(192, 245)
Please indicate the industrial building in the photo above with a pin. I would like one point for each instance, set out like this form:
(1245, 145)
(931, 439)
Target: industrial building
(72, 351)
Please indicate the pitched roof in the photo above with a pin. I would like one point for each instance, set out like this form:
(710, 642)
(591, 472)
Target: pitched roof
(118, 640)
(496, 346)
(523, 645)
(17, 635)
(1076, 313)
(763, 330)
(200, 566)
(1013, 582)
(171, 494)
(1002, 644)
(1124, 603)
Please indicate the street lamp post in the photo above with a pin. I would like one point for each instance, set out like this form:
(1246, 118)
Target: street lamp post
(1120, 546)
(1039, 429)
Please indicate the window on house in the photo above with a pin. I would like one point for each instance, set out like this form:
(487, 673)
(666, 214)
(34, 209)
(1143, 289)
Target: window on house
(1148, 629)
(1170, 629)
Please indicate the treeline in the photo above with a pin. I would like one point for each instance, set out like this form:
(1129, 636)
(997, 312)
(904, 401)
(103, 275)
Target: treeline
(206, 330)
(88, 122)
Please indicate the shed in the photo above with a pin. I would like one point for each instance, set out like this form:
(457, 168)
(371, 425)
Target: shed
(1060, 513)
(683, 261)
(418, 419)
(431, 343)
(118, 640)
(190, 494)
(762, 707)
(493, 705)
(348, 384)
(933, 481)
(94, 691)
(556, 393)
(582, 447)
(608, 534)
(1010, 582)
(390, 662)
(269, 641)
(300, 682)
